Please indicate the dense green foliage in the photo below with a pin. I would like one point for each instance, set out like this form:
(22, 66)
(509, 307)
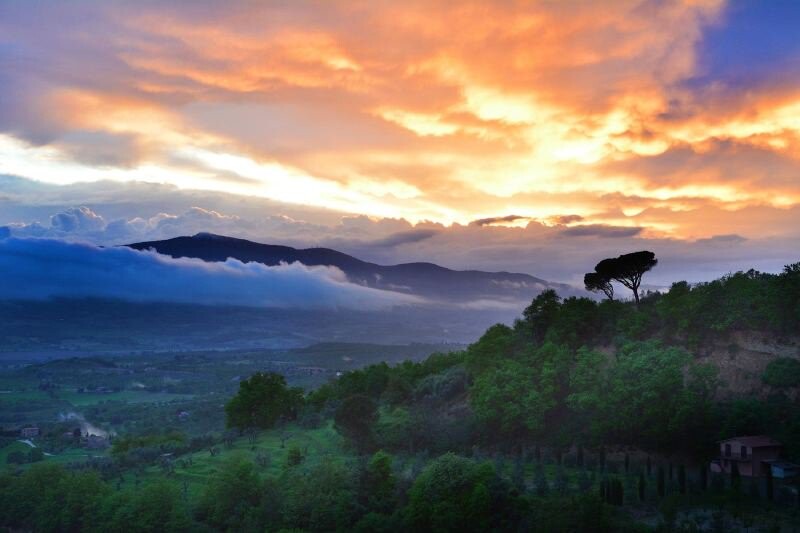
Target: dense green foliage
(452, 494)
(48, 498)
(262, 400)
(783, 372)
(355, 418)
(515, 433)
(579, 371)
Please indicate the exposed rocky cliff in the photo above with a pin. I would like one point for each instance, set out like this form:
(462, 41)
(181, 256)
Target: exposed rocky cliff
(743, 356)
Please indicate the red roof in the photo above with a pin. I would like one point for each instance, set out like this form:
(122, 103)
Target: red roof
(755, 441)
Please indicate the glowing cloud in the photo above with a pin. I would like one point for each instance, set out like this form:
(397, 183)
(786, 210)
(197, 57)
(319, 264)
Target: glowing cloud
(449, 112)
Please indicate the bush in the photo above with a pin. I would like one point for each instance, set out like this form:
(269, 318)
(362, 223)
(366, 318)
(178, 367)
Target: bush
(294, 457)
(451, 494)
(320, 499)
(782, 372)
(16, 458)
(441, 387)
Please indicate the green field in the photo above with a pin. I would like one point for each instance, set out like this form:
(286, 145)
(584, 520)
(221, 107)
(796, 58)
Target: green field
(129, 396)
(316, 444)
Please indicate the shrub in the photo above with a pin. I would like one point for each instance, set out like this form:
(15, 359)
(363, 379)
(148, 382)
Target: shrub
(782, 372)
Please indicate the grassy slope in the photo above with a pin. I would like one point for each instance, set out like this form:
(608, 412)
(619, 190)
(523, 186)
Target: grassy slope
(323, 442)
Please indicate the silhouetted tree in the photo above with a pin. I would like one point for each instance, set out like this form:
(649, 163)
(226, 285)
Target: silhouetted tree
(660, 482)
(596, 282)
(627, 269)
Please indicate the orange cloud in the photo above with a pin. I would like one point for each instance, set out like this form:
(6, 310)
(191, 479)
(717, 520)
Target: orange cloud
(424, 110)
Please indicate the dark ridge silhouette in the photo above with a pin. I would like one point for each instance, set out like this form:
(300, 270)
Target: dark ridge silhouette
(422, 279)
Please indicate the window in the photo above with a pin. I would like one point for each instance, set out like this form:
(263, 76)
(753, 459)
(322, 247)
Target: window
(744, 452)
(727, 450)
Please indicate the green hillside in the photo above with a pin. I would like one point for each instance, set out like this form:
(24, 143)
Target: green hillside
(580, 416)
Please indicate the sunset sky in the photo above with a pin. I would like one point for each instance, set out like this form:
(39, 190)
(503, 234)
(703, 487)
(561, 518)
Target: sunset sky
(516, 135)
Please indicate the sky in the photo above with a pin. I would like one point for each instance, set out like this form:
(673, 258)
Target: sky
(529, 136)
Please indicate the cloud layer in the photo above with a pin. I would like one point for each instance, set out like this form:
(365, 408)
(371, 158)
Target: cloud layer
(555, 248)
(46, 268)
(531, 111)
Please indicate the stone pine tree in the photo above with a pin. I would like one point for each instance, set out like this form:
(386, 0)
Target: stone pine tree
(626, 269)
(596, 282)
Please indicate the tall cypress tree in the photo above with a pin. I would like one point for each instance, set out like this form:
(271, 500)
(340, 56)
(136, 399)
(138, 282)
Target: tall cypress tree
(642, 486)
(770, 487)
(540, 480)
(660, 482)
(682, 479)
(703, 477)
(619, 492)
(736, 477)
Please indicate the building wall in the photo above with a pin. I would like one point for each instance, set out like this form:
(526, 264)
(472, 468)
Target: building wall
(751, 464)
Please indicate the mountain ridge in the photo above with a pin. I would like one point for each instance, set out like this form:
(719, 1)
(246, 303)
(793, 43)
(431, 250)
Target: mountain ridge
(425, 279)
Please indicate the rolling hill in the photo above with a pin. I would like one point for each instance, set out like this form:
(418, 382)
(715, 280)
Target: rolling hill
(427, 280)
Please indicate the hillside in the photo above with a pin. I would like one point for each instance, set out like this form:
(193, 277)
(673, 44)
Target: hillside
(422, 279)
(581, 416)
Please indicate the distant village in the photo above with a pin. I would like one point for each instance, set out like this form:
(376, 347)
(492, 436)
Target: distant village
(75, 436)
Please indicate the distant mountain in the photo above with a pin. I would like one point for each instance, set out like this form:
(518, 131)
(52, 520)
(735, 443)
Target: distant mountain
(427, 280)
